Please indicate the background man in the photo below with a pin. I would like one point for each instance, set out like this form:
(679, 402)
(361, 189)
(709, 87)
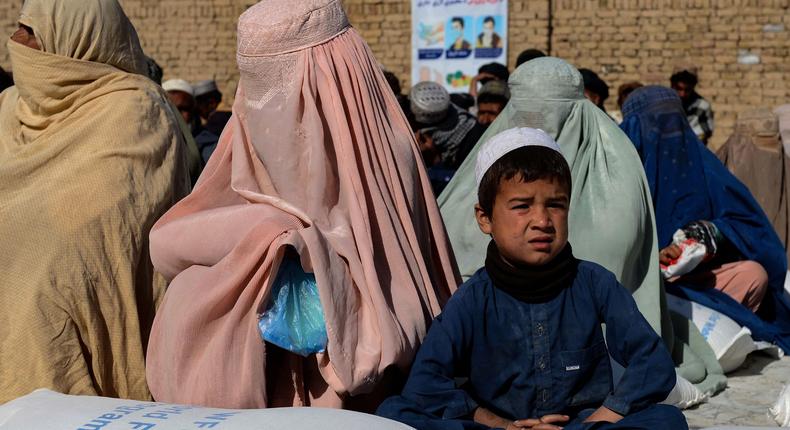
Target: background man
(698, 110)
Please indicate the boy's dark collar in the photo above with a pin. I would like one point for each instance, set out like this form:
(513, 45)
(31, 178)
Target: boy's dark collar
(532, 284)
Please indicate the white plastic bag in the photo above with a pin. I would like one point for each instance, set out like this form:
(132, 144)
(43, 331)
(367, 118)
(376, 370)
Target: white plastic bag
(44, 409)
(692, 254)
(685, 395)
(780, 411)
(730, 342)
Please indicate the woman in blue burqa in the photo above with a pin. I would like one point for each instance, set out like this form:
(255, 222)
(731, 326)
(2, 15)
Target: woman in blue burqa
(697, 199)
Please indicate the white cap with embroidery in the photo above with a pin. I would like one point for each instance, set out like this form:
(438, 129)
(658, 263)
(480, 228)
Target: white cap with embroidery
(205, 87)
(509, 140)
(179, 85)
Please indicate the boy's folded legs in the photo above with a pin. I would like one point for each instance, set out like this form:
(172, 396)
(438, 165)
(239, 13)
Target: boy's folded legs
(655, 417)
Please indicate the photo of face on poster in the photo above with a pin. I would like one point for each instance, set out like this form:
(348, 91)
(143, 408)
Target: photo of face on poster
(489, 29)
(458, 35)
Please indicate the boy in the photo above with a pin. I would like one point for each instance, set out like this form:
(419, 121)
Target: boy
(524, 332)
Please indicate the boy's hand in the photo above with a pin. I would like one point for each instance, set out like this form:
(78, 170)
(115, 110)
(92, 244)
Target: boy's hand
(545, 423)
(604, 414)
(669, 254)
(490, 419)
(476, 79)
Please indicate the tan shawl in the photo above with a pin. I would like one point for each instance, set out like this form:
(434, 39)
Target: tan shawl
(90, 156)
(754, 153)
(783, 113)
(318, 157)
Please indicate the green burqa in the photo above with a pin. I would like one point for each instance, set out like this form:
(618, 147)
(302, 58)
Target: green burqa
(611, 215)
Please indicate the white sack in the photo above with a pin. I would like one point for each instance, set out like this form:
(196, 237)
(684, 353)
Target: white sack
(730, 342)
(44, 409)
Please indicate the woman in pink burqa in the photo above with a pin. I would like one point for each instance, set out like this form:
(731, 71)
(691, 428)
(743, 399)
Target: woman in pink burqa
(317, 159)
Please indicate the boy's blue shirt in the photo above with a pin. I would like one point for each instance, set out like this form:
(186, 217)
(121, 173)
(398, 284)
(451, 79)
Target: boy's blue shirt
(524, 360)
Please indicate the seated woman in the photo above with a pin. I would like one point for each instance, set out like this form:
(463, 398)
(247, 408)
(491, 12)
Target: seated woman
(91, 155)
(612, 220)
(754, 149)
(317, 168)
(698, 201)
(611, 223)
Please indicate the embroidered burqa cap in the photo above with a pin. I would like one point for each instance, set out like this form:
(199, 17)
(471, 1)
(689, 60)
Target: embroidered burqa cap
(318, 158)
(508, 141)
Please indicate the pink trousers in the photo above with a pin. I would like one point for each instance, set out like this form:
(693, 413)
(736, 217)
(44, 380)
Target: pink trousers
(744, 281)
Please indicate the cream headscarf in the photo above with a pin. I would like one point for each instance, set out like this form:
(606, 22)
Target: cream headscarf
(319, 157)
(90, 156)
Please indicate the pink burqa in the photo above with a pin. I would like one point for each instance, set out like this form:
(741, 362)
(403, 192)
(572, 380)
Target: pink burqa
(317, 156)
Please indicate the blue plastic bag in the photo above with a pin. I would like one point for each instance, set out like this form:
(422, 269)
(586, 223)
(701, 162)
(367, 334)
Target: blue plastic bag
(294, 318)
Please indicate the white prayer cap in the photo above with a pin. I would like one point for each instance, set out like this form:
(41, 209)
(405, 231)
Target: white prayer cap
(205, 87)
(509, 140)
(179, 85)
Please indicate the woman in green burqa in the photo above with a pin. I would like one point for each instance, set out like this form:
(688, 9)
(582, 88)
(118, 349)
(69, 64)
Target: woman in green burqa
(612, 221)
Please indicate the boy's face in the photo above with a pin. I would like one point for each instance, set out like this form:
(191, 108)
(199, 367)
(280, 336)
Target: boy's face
(529, 222)
(488, 112)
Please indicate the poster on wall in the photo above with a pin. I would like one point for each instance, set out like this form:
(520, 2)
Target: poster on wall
(451, 39)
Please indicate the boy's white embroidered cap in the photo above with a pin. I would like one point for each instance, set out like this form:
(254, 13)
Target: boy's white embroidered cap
(509, 140)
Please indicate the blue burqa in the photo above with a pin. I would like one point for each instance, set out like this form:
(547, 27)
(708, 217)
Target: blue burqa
(688, 183)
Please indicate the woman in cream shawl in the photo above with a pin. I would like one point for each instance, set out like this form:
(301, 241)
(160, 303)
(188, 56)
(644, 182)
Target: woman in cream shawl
(317, 160)
(611, 216)
(90, 157)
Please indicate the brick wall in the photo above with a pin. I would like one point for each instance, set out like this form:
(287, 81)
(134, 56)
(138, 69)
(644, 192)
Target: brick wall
(626, 40)
(645, 39)
(622, 40)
